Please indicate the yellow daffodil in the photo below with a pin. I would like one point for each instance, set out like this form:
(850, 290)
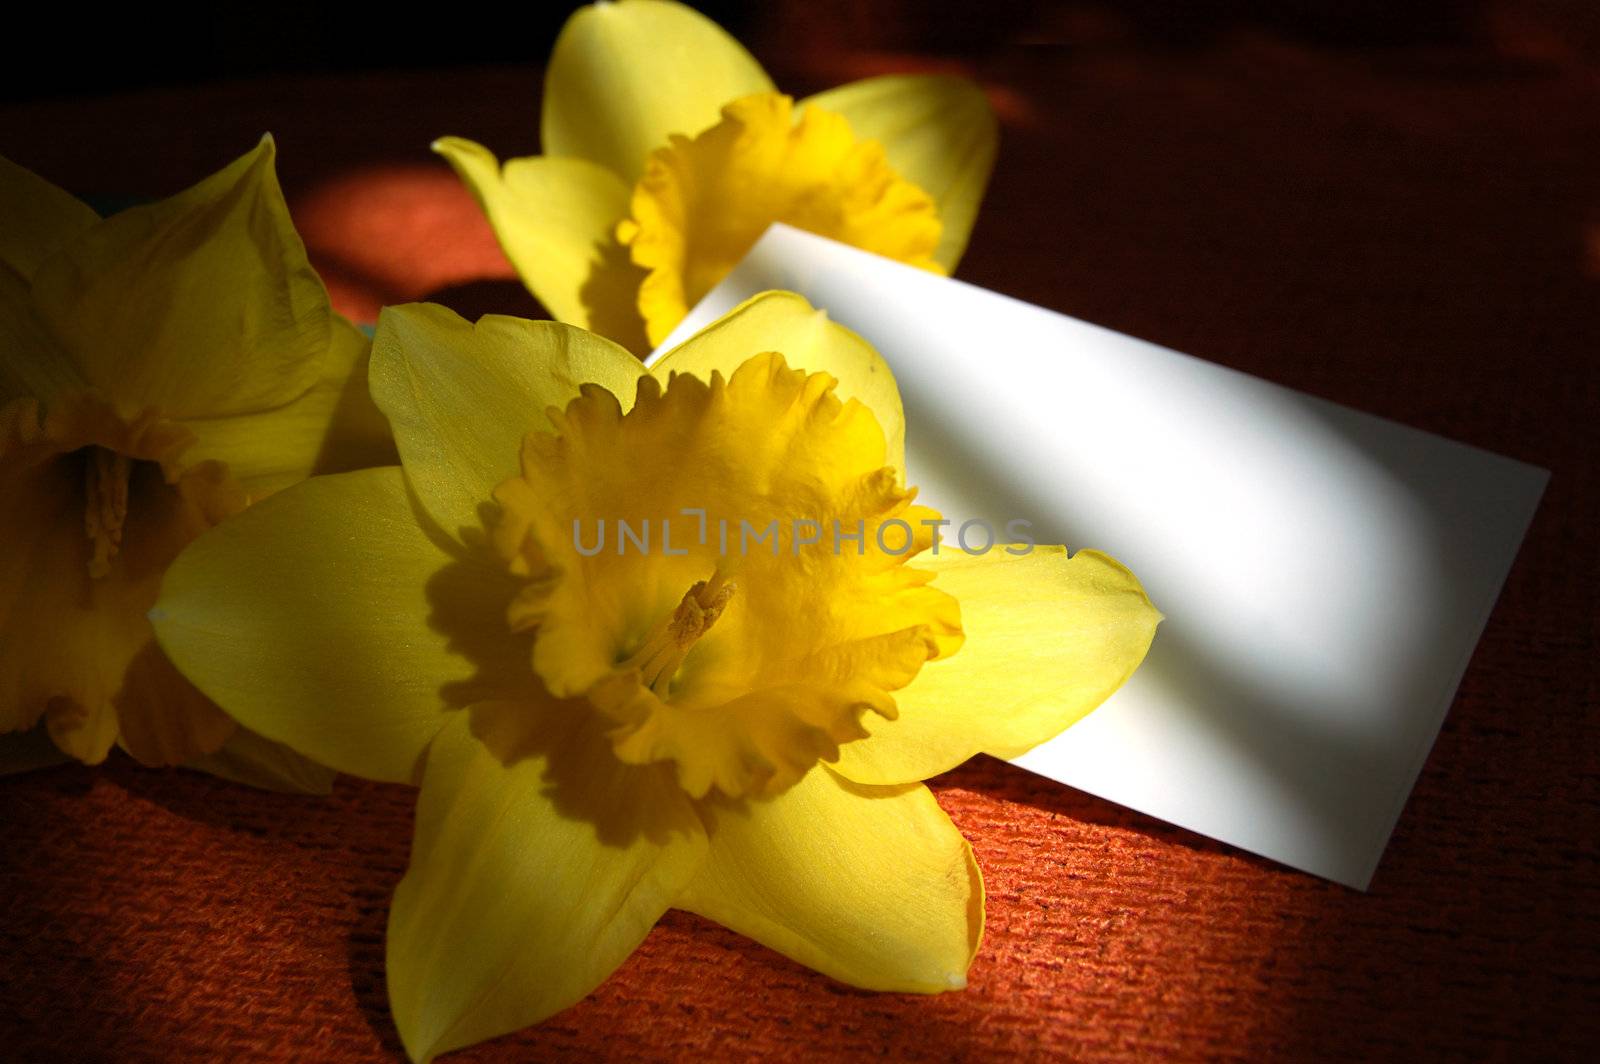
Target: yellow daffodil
(677, 717)
(667, 153)
(159, 370)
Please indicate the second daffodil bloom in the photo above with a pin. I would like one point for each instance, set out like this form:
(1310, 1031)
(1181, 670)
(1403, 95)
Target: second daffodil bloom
(604, 731)
(668, 151)
(159, 370)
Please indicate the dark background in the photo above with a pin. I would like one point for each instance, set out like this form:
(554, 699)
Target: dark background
(65, 51)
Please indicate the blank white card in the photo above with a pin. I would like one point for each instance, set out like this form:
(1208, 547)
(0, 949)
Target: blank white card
(1324, 573)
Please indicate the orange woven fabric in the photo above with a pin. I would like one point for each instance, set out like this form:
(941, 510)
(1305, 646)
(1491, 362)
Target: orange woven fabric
(1414, 234)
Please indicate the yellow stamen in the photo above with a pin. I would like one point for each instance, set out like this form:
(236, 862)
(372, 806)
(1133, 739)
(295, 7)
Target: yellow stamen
(105, 506)
(670, 641)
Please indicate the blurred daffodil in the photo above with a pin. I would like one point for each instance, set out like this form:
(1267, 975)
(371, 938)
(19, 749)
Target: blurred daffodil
(667, 153)
(602, 735)
(159, 370)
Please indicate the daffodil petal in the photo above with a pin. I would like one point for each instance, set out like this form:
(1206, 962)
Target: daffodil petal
(201, 305)
(32, 363)
(938, 132)
(333, 428)
(87, 731)
(538, 867)
(39, 218)
(624, 77)
(555, 218)
(808, 340)
(870, 885)
(249, 759)
(327, 618)
(162, 719)
(1048, 639)
(460, 397)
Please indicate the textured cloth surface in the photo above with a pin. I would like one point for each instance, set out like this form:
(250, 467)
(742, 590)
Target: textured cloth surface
(1413, 233)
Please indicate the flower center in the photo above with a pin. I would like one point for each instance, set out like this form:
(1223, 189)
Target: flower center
(130, 469)
(105, 506)
(702, 203)
(741, 688)
(101, 502)
(669, 643)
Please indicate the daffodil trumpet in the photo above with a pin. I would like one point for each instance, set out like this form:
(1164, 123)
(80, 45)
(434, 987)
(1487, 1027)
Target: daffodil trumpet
(159, 371)
(668, 151)
(601, 737)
